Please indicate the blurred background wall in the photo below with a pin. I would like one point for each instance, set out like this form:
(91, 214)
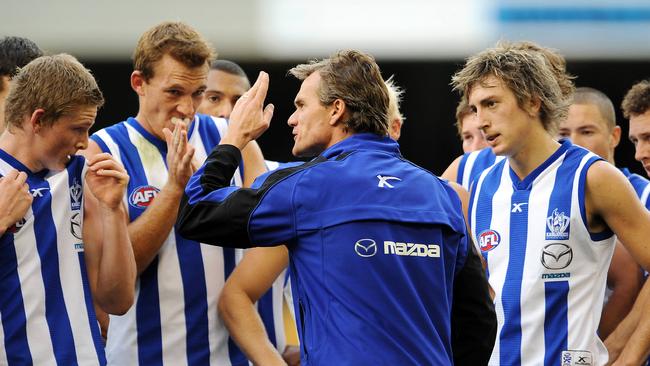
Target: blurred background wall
(422, 43)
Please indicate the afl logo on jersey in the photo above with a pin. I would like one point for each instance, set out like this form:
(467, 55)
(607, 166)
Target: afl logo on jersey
(142, 196)
(488, 240)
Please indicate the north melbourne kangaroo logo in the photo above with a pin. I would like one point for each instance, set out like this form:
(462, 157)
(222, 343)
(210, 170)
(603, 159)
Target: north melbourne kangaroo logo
(383, 181)
(557, 225)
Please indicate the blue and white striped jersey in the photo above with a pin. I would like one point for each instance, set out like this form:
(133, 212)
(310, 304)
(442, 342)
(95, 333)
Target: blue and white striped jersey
(547, 270)
(472, 164)
(46, 306)
(174, 320)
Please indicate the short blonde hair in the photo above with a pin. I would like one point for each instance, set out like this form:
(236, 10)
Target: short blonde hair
(58, 84)
(395, 93)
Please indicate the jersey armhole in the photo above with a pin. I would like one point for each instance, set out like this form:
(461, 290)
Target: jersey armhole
(582, 182)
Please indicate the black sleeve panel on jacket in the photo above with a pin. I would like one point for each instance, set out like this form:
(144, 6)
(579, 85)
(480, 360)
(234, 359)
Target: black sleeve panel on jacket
(473, 319)
(213, 212)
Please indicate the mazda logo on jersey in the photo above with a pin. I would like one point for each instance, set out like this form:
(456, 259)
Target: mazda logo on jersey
(557, 256)
(75, 225)
(488, 240)
(365, 248)
(142, 196)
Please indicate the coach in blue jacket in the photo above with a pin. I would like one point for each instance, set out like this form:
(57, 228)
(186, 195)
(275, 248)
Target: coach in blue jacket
(375, 241)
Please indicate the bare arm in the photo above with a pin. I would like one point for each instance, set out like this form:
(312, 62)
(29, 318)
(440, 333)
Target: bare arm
(253, 163)
(611, 198)
(15, 199)
(616, 341)
(625, 278)
(451, 173)
(108, 251)
(253, 276)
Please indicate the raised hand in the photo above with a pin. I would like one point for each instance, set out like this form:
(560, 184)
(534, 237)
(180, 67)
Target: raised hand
(15, 198)
(179, 154)
(107, 180)
(249, 118)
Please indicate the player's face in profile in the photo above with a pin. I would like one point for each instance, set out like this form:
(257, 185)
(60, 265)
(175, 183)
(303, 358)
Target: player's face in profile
(55, 144)
(175, 90)
(471, 134)
(312, 132)
(223, 91)
(640, 137)
(585, 126)
(503, 123)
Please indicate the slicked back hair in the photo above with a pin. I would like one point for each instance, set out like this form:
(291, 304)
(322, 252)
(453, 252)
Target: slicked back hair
(354, 78)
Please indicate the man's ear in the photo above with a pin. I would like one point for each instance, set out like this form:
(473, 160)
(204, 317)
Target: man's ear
(533, 106)
(615, 137)
(337, 112)
(138, 82)
(36, 120)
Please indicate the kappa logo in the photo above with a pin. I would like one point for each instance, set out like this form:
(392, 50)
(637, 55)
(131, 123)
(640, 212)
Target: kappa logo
(365, 248)
(142, 196)
(557, 256)
(516, 207)
(75, 225)
(557, 225)
(383, 181)
(488, 240)
(38, 192)
(75, 195)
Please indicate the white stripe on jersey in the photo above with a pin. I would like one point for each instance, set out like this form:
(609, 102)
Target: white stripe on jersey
(645, 194)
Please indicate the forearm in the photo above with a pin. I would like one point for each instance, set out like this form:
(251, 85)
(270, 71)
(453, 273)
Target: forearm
(149, 231)
(253, 163)
(621, 335)
(247, 329)
(637, 349)
(619, 305)
(117, 270)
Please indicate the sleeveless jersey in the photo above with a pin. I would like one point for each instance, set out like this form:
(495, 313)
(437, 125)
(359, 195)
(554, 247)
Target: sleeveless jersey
(46, 307)
(547, 270)
(472, 164)
(174, 320)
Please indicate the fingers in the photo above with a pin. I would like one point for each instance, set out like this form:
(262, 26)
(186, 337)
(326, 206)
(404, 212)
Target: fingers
(268, 113)
(98, 158)
(187, 158)
(12, 174)
(258, 91)
(168, 137)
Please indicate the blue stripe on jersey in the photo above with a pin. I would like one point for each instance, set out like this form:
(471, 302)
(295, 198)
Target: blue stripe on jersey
(92, 318)
(147, 313)
(484, 160)
(12, 308)
(484, 207)
(639, 183)
(56, 313)
(196, 304)
(265, 308)
(510, 337)
(556, 321)
(235, 354)
(209, 133)
(461, 169)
